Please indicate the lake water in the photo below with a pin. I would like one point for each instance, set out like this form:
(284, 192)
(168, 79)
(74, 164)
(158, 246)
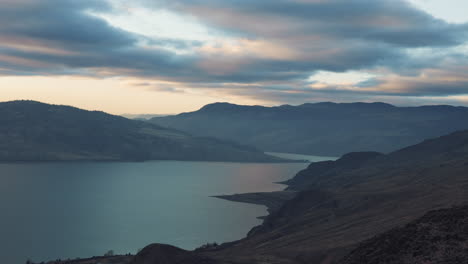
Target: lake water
(68, 210)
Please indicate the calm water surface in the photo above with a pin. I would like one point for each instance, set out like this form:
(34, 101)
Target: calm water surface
(68, 210)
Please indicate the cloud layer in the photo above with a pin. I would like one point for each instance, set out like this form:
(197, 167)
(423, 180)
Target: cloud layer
(267, 50)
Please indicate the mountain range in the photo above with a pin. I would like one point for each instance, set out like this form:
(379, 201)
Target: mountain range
(326, 129)
(33, 131)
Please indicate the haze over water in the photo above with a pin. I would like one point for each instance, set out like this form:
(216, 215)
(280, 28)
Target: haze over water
(68, 210)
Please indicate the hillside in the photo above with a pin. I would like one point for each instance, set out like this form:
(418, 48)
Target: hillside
(343, 205)
(318, 174)
(438, 237)
(33, 131)
(326, 129)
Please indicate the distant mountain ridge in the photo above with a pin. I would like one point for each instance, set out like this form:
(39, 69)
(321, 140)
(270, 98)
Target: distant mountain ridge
(34, 131)
(327, 129)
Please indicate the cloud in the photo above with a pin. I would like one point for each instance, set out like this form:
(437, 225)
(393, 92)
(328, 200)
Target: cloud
(393, 22)
(268, 49)
(310, 35)
(54, 37)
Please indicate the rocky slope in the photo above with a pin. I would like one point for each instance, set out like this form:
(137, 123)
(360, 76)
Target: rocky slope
(324, 129)
(438, 237)
(33, 131)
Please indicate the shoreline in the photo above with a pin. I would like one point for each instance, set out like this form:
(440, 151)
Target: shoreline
(272, 200)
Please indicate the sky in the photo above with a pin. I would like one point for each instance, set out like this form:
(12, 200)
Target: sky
(171, 56)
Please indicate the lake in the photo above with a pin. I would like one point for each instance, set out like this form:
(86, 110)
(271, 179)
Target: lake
(69, 210)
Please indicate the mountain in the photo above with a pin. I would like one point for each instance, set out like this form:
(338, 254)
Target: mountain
(33, 131)
(141, 116)
(439, 236)
(327, 129)
(344, 203)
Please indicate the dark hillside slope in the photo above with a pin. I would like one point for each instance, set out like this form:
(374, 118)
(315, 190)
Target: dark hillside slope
(327, 129)
(326, 174)
(438, 237)
(338, 210)
(166, 254)
(33, 131)
(318, 174)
